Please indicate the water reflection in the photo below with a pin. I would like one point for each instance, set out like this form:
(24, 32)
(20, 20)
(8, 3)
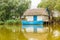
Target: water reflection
(48, 32)
(33, 28)
(9, 32)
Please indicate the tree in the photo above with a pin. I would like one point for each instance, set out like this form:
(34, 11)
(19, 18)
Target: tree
(9, 8)
(52, 4)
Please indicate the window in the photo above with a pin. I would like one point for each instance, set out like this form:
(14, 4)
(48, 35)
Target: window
(29, 18)
(39, 18)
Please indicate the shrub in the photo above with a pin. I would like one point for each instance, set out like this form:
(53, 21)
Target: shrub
(57, 18)
(16, 21)
(9, 22)
(1, 22)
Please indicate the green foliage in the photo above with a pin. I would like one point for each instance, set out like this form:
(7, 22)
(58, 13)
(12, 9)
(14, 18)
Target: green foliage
(52, 4)
(57, 18)
(9, 8)
(17, 22)
(1, 22)
(11, 22)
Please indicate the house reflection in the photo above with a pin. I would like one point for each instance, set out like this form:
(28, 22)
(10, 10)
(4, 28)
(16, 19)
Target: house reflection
(33, 28)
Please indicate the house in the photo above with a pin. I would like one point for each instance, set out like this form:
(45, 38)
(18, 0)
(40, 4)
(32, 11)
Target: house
(35, 16)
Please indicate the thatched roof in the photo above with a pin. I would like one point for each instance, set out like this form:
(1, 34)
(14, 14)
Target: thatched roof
(40, 11)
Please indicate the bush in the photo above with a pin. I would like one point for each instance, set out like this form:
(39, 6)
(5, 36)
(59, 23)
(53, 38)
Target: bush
(57, 18)
(1, 22)
(9, 22)
(16, 21)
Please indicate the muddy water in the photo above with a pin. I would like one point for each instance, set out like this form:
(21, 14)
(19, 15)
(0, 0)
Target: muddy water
(38, 32)
(10, 32)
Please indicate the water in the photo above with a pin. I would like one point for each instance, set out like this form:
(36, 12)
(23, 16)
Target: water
(11, 32)
(38, 32)
(33, 28)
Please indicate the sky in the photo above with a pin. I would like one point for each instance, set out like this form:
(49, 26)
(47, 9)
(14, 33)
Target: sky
(34, 3)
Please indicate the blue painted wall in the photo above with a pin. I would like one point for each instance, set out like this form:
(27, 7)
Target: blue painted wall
(24, 22)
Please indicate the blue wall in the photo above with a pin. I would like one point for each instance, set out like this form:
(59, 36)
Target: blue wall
(24, 22)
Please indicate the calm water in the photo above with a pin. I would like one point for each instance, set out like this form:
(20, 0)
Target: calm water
(9, 32)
